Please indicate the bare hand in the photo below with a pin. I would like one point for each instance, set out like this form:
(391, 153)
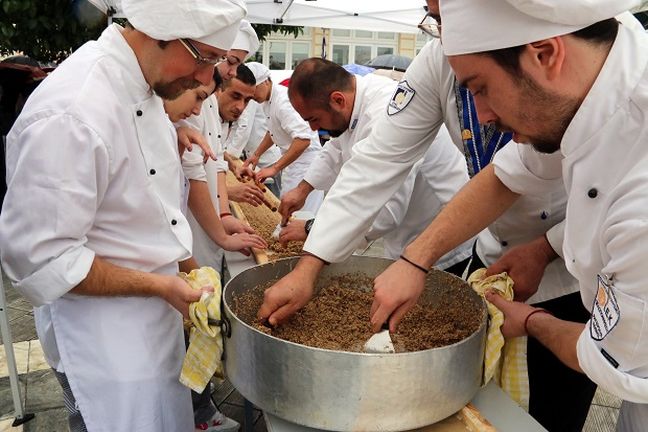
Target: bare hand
(266, 172)
(244, 173)
(291, 292)
(294, 231)
(525, 264)
(515, 314)
(242, 242)
(252, 161)
(245, 193)
(235, 226)
(292, 201)
(180, 295)
(188, 136)
(396, 290)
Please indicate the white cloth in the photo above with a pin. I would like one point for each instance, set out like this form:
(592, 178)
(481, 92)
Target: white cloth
(421, 198)
(471, 26)
(212, 22)
(246, 39)
(606, 228)
(285, 125)
(209, 124)
(370, 178)
(252, 127)
(261, 72)
(108, 184)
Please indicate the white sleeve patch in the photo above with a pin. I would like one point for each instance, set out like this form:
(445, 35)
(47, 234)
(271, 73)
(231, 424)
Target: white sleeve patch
(605, 310)
(401, 98)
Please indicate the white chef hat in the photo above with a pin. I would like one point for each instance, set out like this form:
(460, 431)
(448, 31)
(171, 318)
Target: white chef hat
(212, 22)
(471, 26)
(246, 39)
(261, 72)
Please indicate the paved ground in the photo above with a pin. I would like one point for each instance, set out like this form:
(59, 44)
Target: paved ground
(42, 394)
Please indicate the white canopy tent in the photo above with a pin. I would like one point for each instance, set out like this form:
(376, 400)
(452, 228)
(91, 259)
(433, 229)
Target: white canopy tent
(373, 15)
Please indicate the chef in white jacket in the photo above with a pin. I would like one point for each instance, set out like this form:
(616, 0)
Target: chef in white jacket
(299, 145)
(91, 230)
(427, 97)
(587, 76)
(210, 219)
(348, 107)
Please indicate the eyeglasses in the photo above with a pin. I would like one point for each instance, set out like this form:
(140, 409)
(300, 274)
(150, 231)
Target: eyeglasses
(432, 27)
(200, 60)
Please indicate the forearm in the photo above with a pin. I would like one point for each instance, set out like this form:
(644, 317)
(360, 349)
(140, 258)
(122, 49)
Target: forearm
(109, 280)
(189, 264)
(203, 210)
(476, 205)
(559, 336)
(294, 151)
(266, 143)
(223, 196)
(231, 161)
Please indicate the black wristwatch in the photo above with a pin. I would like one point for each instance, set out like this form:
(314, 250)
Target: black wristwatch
(308, 225)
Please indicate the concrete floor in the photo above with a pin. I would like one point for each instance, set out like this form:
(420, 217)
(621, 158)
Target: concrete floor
(42, 394)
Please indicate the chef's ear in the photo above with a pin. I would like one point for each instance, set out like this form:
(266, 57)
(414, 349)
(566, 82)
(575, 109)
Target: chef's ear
(337, 100)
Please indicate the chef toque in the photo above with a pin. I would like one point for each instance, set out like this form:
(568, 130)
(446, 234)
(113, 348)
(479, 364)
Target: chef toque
(261, 72)
(212, 22)
(246, 39)
(471, 26)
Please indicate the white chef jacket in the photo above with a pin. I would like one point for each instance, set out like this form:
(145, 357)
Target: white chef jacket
(605, 170)
(210, 125)
(285, 125)
(93, 169)
(252, 127)
(382, 161)
(421, 198)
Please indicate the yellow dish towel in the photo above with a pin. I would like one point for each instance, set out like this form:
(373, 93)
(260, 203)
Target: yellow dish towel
(504, 360)
(203, 358)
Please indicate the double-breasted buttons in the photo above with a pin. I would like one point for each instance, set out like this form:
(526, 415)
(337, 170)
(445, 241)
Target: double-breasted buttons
(592, 193)
(139, 113)
(152, 171)
(544, 215)
(174, 222)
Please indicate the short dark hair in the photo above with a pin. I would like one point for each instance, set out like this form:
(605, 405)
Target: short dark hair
(218, 79)
(601, 33)
(243, 74)
(314, 79)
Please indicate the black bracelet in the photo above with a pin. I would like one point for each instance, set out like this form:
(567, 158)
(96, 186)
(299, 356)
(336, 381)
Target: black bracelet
(420, 267)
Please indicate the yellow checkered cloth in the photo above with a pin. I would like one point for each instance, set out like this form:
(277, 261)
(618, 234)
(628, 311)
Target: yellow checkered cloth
(203, 358)
(504, 360)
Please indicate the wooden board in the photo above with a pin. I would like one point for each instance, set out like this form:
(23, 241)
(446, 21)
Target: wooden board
(260, 255)
(468, 419)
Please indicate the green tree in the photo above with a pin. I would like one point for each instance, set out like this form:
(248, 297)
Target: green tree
(263, 30)
(47, 30)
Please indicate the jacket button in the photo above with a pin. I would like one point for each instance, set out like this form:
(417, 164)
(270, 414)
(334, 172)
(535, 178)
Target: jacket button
(544, 215)
(219, 136)
(152, 172)
(139, 113)
(504, 243)
(209, 133)
(592, 193)
(174, 222)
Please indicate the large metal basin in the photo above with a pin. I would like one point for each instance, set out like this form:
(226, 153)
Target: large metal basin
(344, 391)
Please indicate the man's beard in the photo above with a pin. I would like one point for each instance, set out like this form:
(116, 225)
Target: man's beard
(339, 121)
(175, 88)
(554, 112)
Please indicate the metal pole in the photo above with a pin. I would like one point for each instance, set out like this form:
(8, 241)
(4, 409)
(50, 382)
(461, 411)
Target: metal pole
(21, 417)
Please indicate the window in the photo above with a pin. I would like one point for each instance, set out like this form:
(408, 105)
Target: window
(341, 33)
(387, 35)
(384, 50)
(277, 59)
(364, 34)
(340, 54)
(362, 54)
(300, 51)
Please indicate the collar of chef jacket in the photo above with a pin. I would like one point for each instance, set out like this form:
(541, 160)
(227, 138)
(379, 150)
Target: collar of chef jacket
(113, 43)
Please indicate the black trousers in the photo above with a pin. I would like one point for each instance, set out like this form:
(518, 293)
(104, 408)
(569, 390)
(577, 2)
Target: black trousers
(559, 397)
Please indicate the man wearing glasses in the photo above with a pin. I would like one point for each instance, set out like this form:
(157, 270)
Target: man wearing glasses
(92, 229)
(427, 97)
